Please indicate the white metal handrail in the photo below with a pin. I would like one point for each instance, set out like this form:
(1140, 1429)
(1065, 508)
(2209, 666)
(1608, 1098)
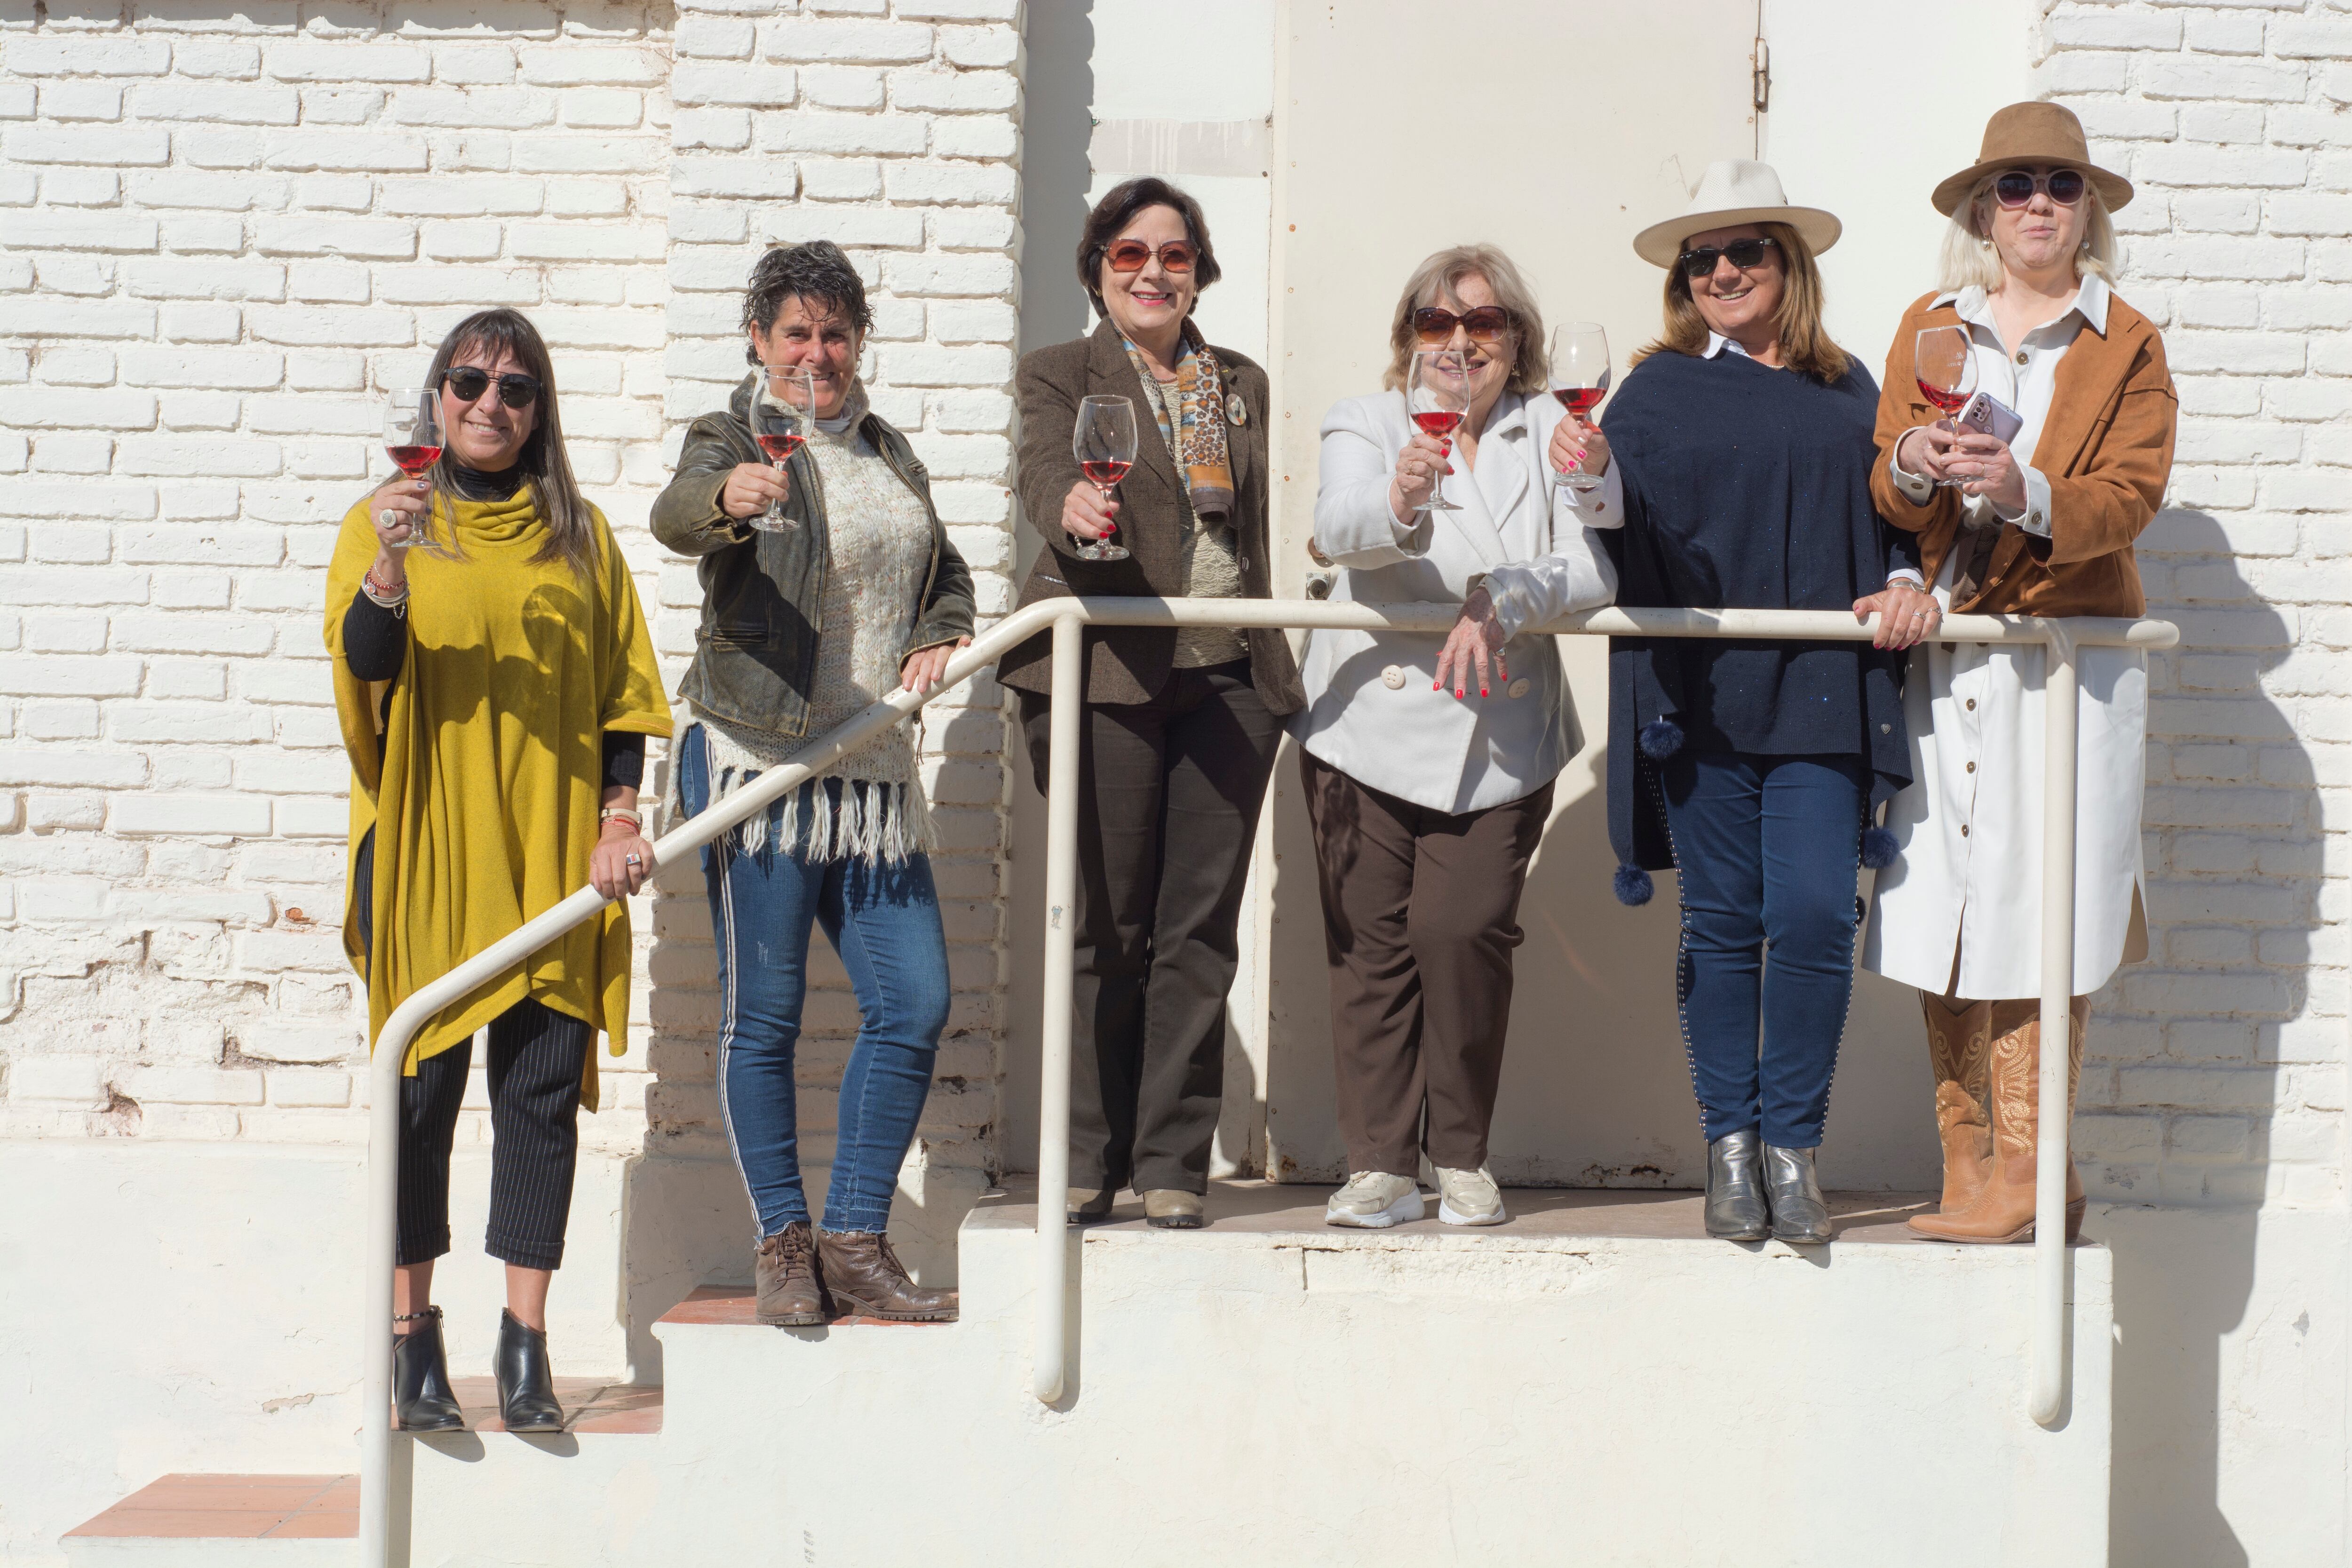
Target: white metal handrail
(1066, 619)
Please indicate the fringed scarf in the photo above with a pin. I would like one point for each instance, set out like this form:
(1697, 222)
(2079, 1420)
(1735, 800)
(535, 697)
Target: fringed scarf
(1198, 441)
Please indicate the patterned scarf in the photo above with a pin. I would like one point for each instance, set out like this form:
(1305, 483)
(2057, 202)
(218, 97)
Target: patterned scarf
(1198, 444)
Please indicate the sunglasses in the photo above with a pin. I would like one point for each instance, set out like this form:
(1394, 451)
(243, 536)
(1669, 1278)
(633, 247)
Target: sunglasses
(1485, 324)
(1743, 254)
(2015, 187)
(1133, 256)
(516, 390)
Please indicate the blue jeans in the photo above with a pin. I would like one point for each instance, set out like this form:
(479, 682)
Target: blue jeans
(884, 921)
(1766, 849)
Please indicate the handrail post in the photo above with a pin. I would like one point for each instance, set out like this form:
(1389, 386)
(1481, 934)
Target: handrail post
(2053, 1154)
(383, 1176)
(1054, 1053)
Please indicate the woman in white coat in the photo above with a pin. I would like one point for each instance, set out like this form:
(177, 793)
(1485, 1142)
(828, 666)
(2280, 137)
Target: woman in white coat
(1428, 761)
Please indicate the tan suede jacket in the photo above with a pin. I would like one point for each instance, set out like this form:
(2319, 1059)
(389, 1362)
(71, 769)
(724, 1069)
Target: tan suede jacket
(2106, 449)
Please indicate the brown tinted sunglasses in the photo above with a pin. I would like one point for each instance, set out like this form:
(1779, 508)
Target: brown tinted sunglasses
(1485, 324)
(1134, 256)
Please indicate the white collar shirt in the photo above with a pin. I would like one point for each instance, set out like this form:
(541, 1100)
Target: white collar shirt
(1717, 344)
(2026, 379)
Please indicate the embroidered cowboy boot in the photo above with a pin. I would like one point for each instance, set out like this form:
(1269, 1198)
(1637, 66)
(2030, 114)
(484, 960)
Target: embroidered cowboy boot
(1960, 1049)
(2003, 1210)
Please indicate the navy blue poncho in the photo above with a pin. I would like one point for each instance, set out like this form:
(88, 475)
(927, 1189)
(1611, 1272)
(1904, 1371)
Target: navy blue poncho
(1745, 488)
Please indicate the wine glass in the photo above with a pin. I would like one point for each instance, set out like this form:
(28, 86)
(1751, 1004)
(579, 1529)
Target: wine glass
(1104, 445)
(780, 416)
(1580, 379)
(1437, 396)
(412, 435)
(1944, 362)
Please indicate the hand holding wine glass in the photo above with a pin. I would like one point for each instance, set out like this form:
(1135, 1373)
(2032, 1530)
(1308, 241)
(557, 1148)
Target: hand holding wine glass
(782, 418)
(1103, 442)
(413, 441)
(1578, 376)
(1437, 389)
(1944, 364)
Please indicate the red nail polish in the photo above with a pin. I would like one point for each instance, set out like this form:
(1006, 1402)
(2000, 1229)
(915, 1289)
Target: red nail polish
(1482, 691)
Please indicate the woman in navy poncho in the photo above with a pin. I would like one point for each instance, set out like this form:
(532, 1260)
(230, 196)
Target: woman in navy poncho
(1754, 768)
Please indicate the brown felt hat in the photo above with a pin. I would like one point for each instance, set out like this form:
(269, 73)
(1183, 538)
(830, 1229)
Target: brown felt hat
(2032, 133)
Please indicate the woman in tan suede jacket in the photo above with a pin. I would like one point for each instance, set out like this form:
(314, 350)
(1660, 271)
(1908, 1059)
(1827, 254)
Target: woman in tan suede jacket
(2043, 524)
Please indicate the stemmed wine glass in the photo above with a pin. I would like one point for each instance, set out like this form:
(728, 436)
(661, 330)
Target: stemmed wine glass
(1437, 396)
(1580, 379)
(779, 424)
(1104, 445)
(412, 435)
(1944, 362)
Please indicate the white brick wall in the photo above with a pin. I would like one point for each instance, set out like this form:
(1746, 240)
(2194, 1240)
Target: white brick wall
(226, 233)
(2217, 1069)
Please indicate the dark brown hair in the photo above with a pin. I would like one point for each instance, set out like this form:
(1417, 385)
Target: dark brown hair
(1805, 342)
(1117, 209)
(816, 273)
(571, 527)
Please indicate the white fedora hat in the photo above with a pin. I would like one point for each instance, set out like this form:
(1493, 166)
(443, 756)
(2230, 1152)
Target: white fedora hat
(1734, 191)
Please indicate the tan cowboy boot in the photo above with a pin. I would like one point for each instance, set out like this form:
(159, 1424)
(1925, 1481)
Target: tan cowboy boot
(1960, 1048)
(2003, 1210)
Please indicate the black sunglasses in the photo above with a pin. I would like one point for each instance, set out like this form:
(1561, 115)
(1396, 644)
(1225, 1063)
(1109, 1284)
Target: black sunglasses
(1743, 254)
(2015, 187)
(1486, 324)
(516, 390)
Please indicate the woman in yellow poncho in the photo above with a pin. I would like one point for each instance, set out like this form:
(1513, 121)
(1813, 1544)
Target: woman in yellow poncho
(495, 686)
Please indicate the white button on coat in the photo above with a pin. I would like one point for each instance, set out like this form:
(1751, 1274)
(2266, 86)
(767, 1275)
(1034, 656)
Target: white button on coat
(1520, 687)
(1392, 678)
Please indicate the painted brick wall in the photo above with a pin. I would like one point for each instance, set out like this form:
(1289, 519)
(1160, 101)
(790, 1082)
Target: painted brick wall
(229, 232)
(2217, 1069)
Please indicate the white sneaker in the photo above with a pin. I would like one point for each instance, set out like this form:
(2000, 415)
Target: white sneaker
(1468, 1197)
(1374, 1200)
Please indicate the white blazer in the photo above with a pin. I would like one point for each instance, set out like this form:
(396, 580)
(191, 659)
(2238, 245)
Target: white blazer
(1371, 712)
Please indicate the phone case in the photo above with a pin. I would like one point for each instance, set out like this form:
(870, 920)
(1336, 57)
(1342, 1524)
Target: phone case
(1988, 415)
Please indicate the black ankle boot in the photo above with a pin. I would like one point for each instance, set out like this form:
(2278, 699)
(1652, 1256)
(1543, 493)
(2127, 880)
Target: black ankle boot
(526, 1380)
(421, 1395)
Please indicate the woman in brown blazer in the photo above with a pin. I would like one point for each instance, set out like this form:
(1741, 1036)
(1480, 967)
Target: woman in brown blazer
(2041, 523)
(1180, 726)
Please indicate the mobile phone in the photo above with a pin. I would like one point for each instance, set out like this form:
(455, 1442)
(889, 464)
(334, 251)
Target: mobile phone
(1988, 415)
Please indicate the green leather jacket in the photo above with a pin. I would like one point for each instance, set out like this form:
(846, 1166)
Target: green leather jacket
(764, 593)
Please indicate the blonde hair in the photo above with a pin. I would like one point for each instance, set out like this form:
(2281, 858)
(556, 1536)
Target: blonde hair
(1440, 276)
(1805, 343)
(1971, 260)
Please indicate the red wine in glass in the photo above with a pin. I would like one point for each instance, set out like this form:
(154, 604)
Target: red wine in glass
(1944, 364)
(1106, 473)
(1439, 420)
(1580, 400)
(779, 445)
(1951, 402)
(413, 461)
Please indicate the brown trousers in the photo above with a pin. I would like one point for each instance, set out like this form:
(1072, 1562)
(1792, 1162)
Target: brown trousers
(1420, 913)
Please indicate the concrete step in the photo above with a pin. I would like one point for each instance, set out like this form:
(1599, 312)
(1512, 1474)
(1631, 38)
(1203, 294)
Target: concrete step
(1593, 1382)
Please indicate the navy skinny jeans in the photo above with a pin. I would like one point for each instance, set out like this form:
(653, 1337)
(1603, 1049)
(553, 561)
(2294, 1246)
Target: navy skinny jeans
(1766, 850)
(884, 922)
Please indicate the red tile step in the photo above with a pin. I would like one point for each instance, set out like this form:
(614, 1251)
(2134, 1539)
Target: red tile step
(239, 1508)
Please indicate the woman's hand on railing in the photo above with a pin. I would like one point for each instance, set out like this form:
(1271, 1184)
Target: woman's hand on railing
(1907, 616)
(1476, 640)
(925, 666)
(1085, 515)
(622, 859)
(1578, 447)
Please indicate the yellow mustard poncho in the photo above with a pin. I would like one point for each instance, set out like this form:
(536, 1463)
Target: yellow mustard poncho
(484, 787)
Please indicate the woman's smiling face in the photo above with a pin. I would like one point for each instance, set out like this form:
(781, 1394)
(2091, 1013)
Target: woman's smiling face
(485, 434)
(1153, 302)
(1739, 302)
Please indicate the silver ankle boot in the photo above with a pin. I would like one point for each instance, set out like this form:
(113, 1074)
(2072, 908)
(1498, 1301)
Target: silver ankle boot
(1799, 1214)
(1735, 1188)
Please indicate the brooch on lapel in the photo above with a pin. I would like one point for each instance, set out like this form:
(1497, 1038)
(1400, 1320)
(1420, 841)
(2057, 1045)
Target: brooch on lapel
(1236, 411)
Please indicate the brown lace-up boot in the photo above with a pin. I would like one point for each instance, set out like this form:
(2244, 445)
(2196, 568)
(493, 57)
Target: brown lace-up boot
(2003, 1210)
(1960, 1048)
(784, 1270)
(865, 1280)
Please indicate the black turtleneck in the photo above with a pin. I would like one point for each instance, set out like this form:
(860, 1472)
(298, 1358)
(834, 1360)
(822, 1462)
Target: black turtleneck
(375, 640)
